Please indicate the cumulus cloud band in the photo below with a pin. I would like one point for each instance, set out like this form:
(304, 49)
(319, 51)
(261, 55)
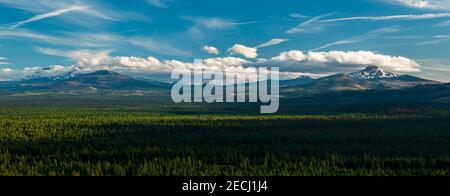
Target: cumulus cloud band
(292, 63)
(394, 63)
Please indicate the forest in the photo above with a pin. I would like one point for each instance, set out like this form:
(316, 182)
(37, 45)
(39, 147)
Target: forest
(60, 135)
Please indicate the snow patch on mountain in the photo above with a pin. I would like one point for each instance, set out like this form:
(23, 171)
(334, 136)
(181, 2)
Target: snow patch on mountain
(47, 74)
(371, 73)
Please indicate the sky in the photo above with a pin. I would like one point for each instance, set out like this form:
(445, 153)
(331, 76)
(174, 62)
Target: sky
(149, 38)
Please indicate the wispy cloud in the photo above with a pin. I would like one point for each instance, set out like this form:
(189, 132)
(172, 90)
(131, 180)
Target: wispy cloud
(44, 38)
(272, 42)
(423, 4)
(297, 15)
(84, 13)
(319, 24)
(436, 68)
(157, 45)
(159, 3)
(204, 27)
(364, 37)
(3, 61)
(438, 39)
(214, 23)
(310, 26)
(51, 14)
(98, 41)
(444, 24)
(75, 55)
(392, 17)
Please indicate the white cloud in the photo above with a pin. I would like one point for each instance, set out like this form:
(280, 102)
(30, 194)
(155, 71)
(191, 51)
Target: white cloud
(245, 51)
(293, 55)
(57, 68)
(424, 4)
(7, 74)
(3, 61)
(292, 63)
(224, 63)
(342, 59)
(392, 17)
(211, 50)
(311, 26)
(252, 52)
(363, 58)
(272, 43)
(415, 3)
(98, 60)
(51, 14)
(87, 61)
(75, 55)
(94, 14)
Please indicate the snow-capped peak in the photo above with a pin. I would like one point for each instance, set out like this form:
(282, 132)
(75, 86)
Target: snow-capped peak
(67, 76)
(372, 72)
(52, 75)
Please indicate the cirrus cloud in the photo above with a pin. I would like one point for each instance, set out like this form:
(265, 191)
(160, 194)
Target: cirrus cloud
(51, 14)
(391, 17)
(159, 3)
(272, 42)
(3, 61)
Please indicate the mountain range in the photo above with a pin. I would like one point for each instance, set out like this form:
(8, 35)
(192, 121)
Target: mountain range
(99, 80)
(371, 78)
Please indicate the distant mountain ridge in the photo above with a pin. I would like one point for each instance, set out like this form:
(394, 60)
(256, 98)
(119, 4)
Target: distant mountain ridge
(106, 80)
(371, 78)
(44, 75)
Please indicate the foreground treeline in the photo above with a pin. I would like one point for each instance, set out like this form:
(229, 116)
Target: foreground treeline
(123, 135)
(88, 141)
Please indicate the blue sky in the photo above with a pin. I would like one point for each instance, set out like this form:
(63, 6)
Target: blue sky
(303, 37)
